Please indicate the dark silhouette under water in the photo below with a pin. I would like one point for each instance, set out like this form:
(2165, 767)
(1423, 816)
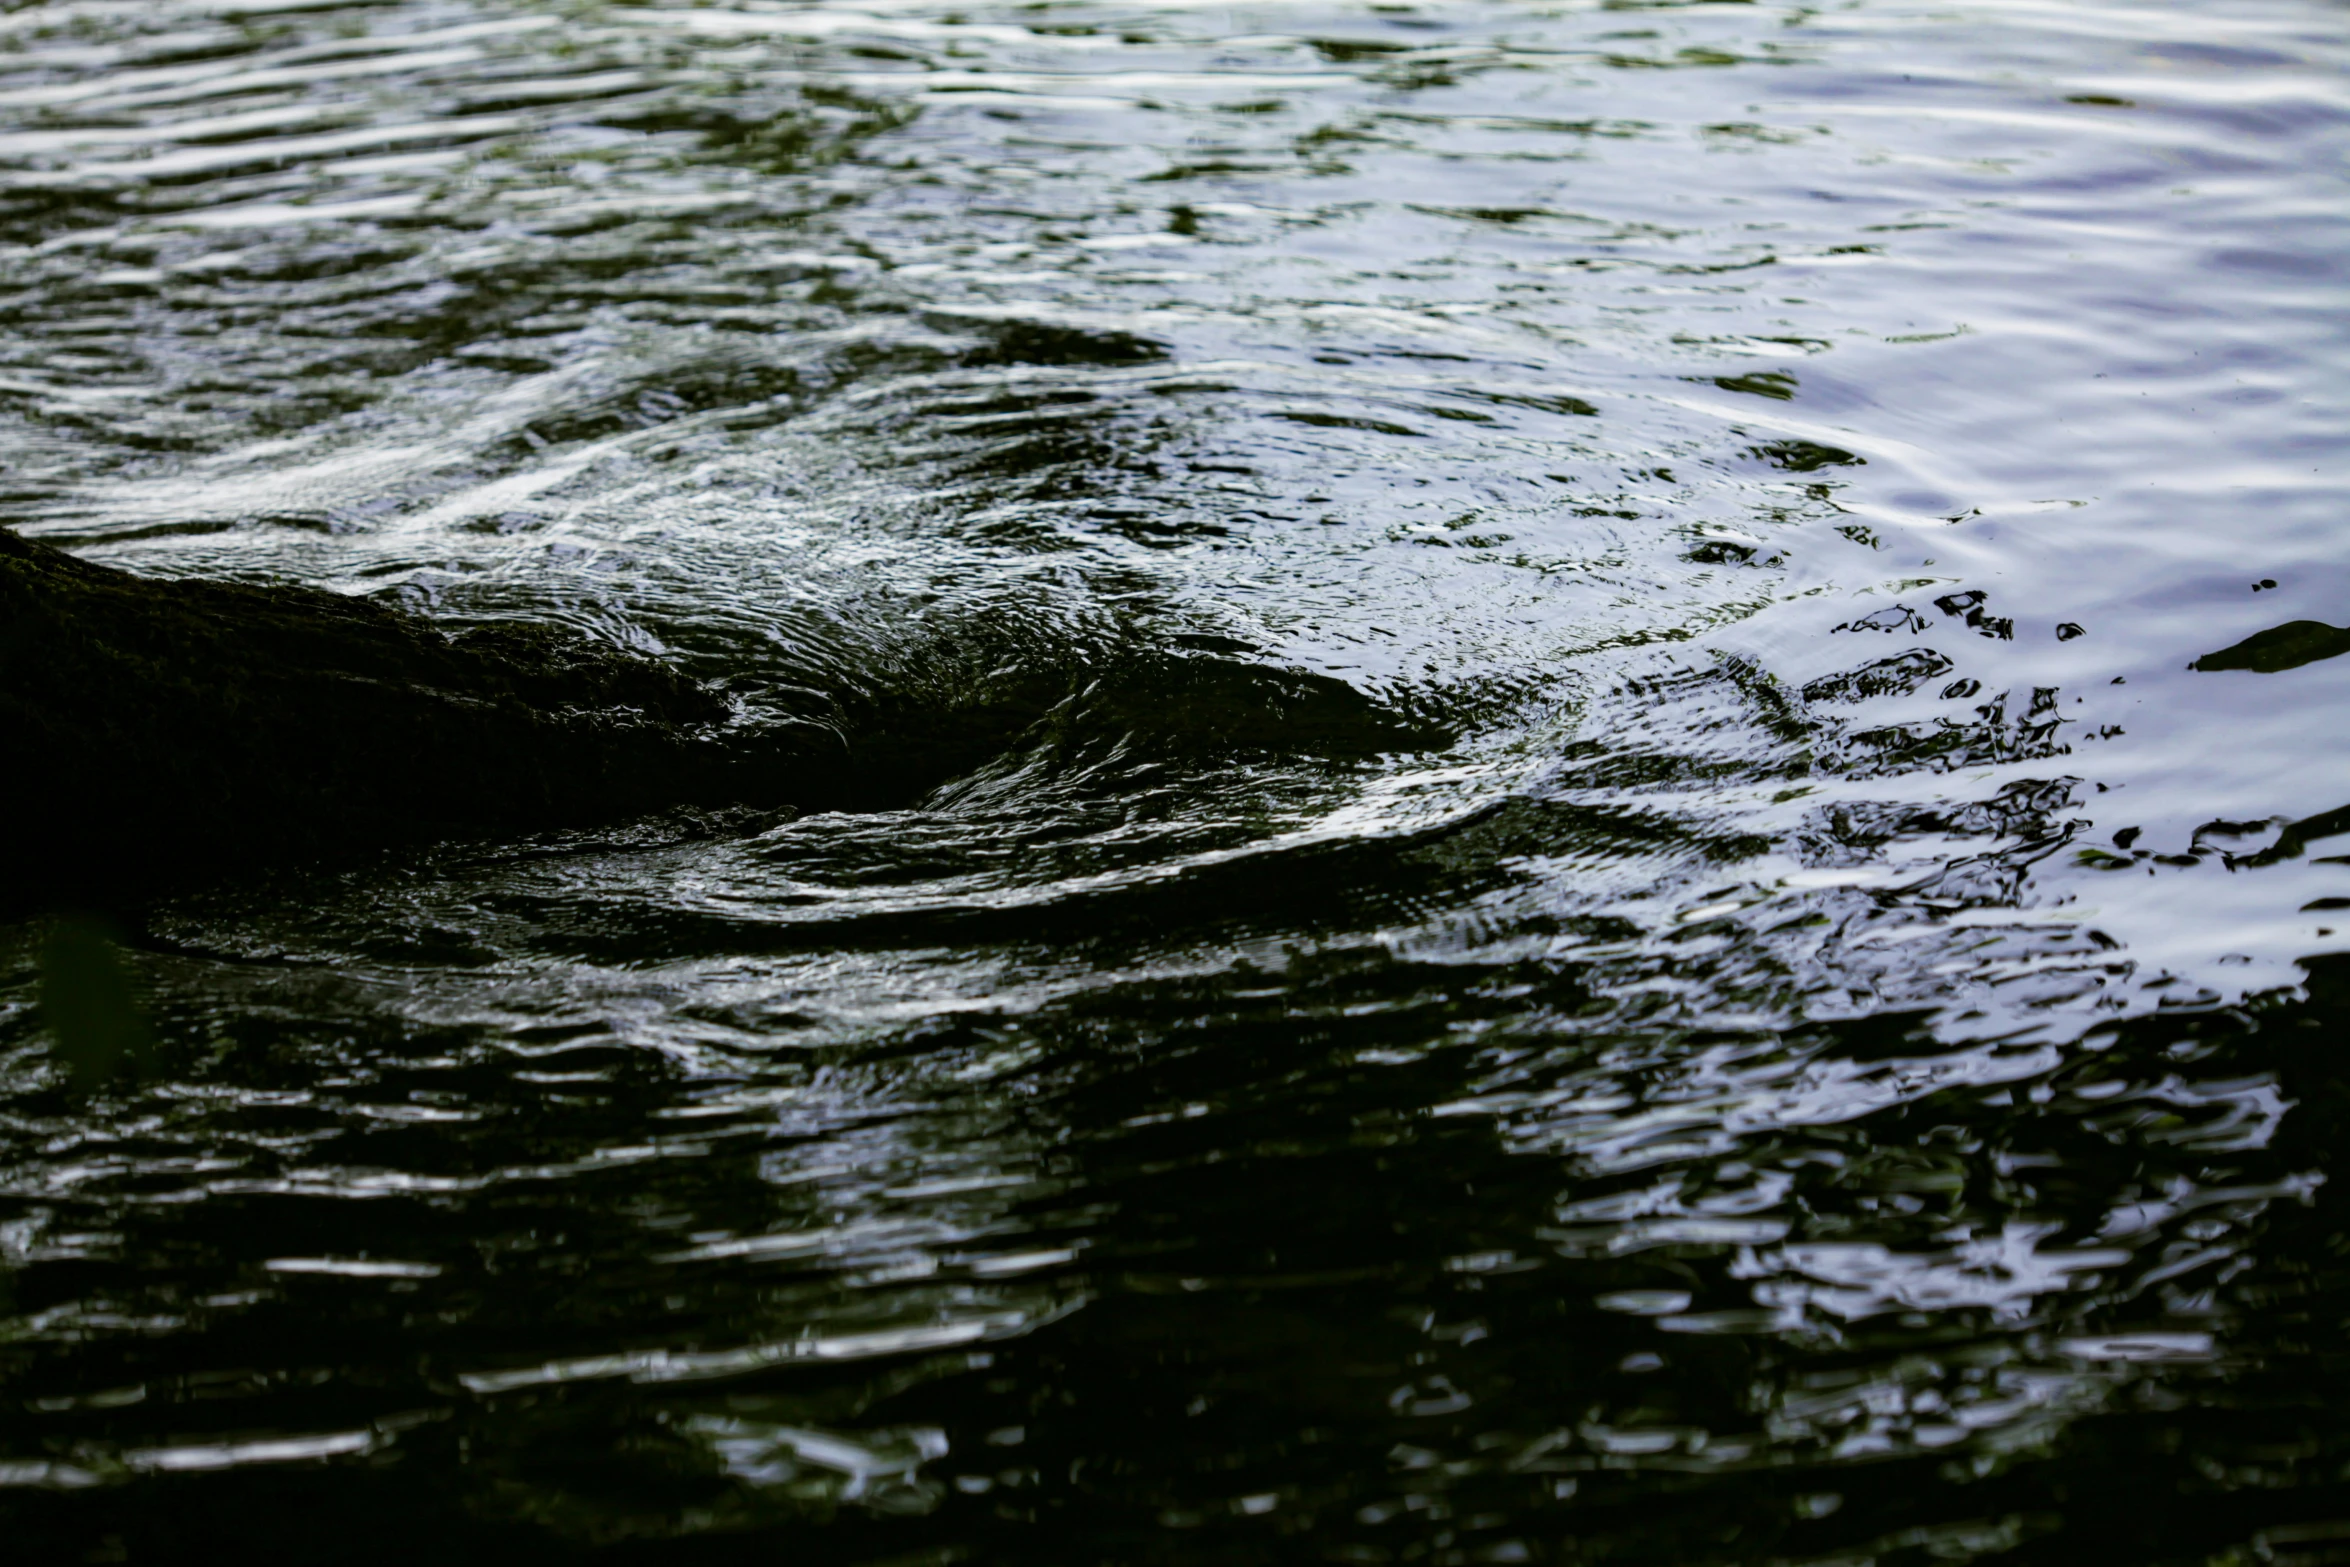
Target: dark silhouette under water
(161, 730)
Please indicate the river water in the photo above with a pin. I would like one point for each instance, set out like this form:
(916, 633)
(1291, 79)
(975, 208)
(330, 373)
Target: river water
(1820, 1046)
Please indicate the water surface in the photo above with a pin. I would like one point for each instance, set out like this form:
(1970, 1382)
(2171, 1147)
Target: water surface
(1828, 1053)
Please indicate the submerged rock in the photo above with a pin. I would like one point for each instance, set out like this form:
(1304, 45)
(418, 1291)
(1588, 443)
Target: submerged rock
(158, 730)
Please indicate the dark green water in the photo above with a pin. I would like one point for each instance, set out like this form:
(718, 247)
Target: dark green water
(1838, 1056)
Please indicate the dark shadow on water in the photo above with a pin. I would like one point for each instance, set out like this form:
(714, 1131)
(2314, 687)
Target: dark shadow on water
(89, 1003)
(2280, 648)
(1322, 1317)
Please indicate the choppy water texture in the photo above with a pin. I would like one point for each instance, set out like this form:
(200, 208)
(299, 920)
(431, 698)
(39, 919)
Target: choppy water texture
(1831, 1056)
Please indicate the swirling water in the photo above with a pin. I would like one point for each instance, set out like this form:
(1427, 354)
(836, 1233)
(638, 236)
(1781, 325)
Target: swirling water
(1834, 1058)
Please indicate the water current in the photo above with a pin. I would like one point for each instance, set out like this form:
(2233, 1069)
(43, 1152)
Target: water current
(1823, 1047)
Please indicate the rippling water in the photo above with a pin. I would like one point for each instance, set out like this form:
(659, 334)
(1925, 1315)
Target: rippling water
(1833, 1058)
